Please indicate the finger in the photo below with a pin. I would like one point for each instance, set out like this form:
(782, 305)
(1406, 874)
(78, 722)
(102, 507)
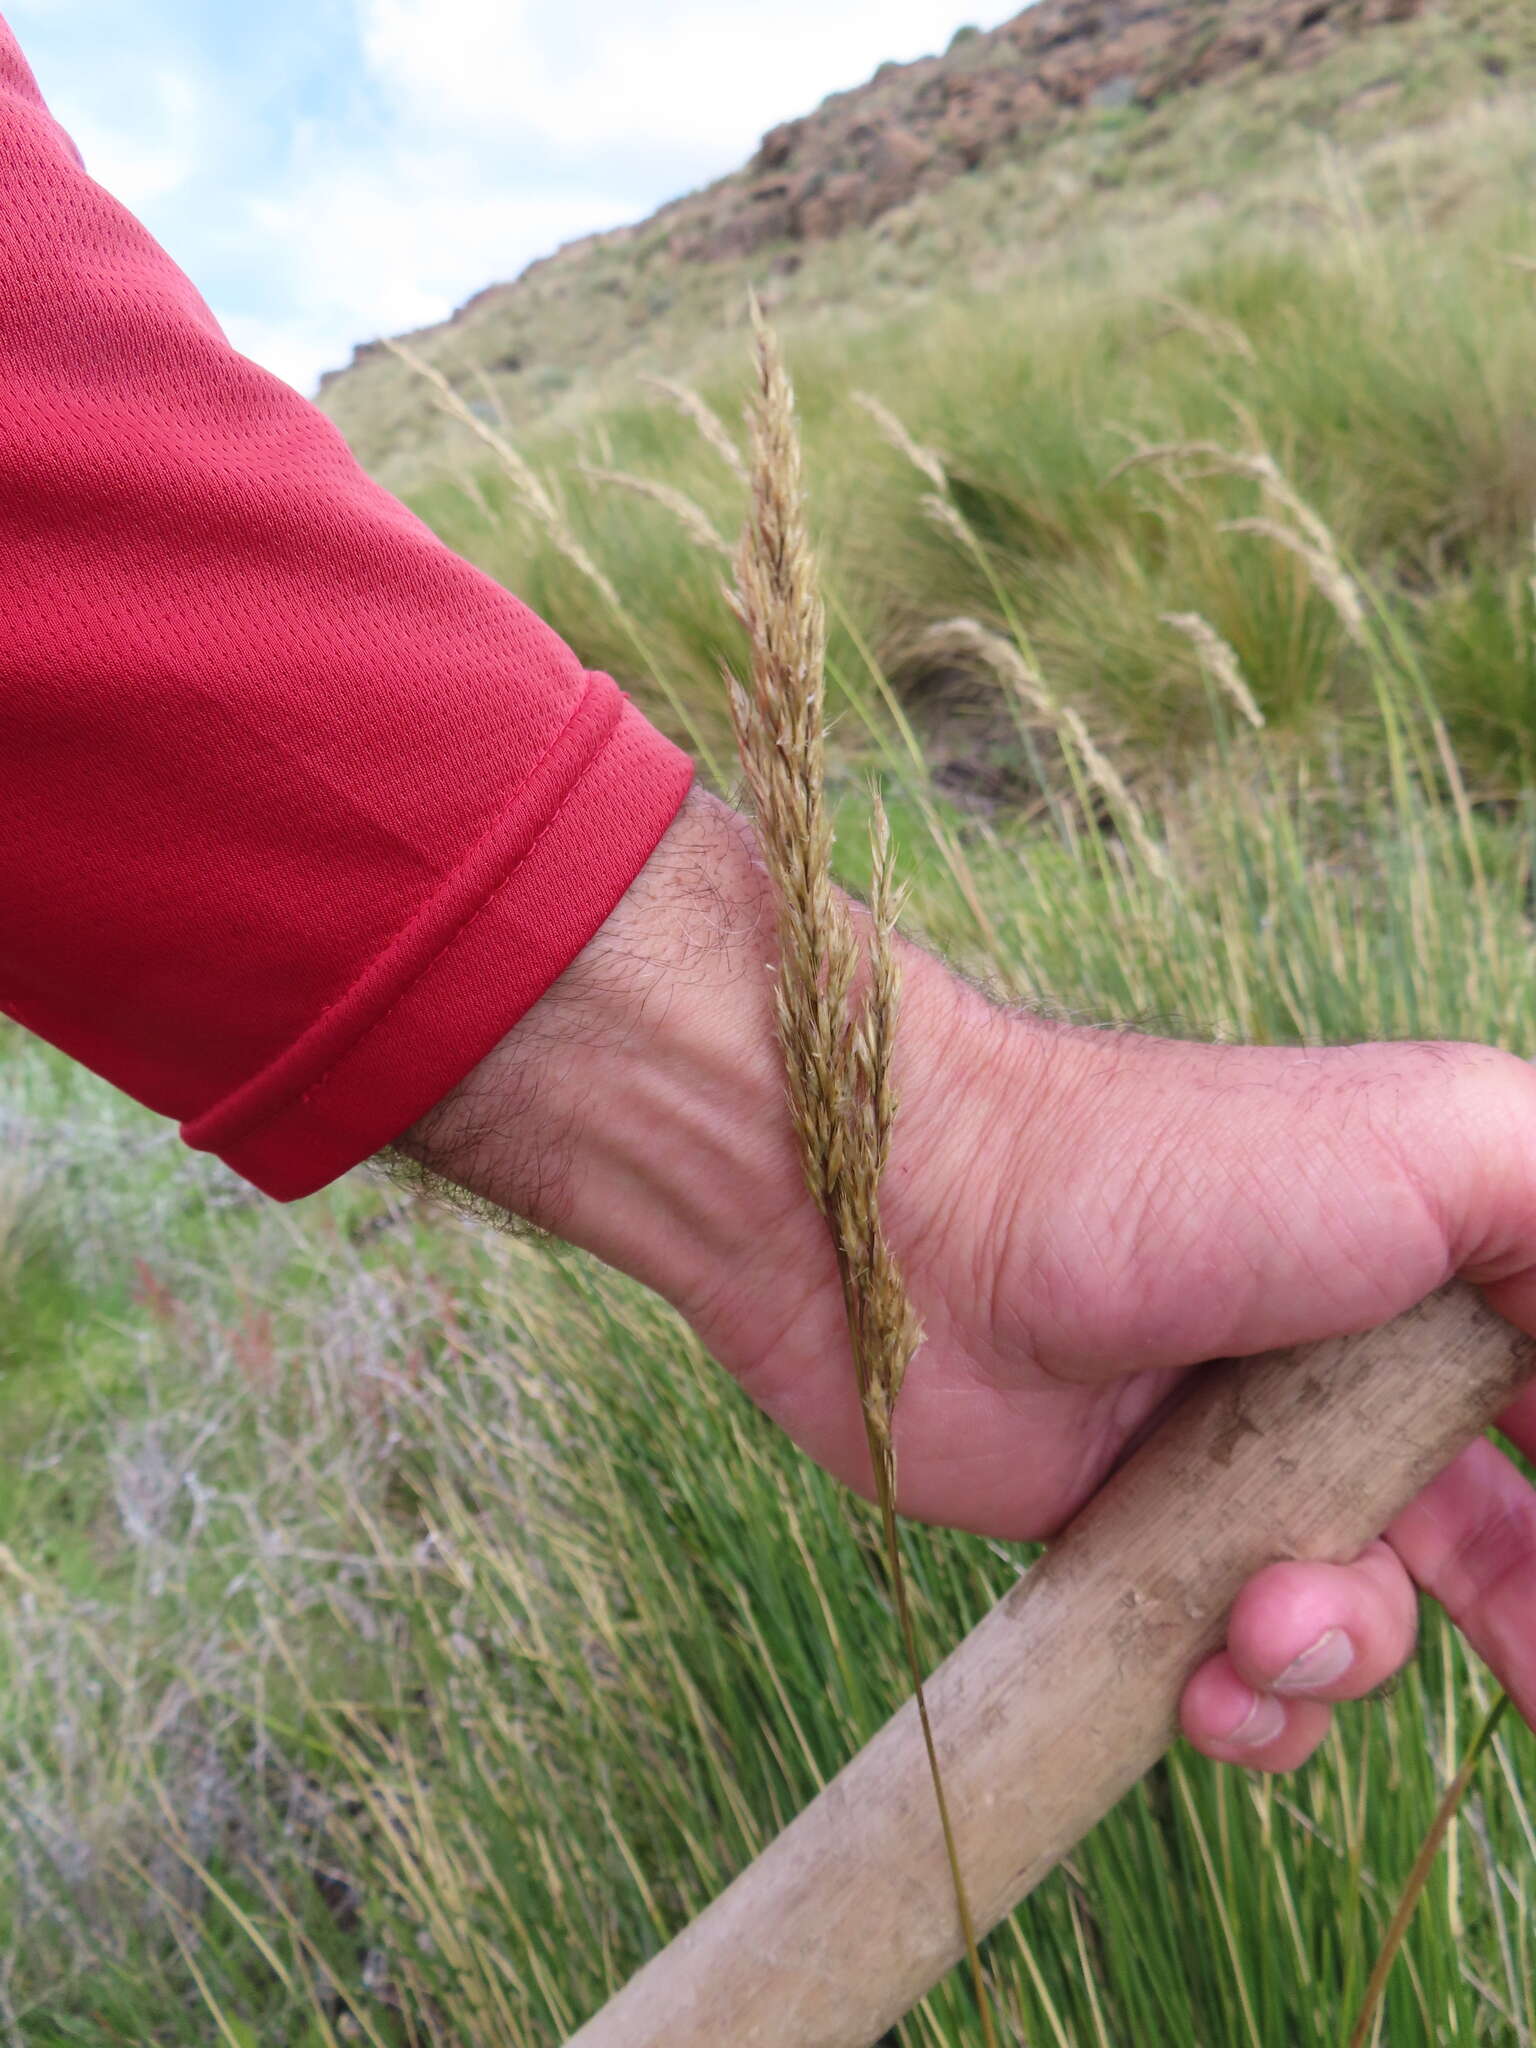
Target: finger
(1518, 1422)
(1325, 1631)
(1470, 1541)
(1225, 1718)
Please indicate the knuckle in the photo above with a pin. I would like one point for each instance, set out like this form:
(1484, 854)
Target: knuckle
(1453, 1122)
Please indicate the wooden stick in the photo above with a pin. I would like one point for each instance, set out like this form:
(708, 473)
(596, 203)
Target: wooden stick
(1067, 1692)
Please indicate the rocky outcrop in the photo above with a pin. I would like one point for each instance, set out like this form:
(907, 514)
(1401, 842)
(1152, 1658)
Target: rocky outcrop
(916, 126)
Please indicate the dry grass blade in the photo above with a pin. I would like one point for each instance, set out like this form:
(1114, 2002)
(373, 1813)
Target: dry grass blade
(692, 518)
(1323, 565)
(925, 460)
(836, 998)
(968, 639)
(1306, 535)
(709, 423)
(1222, 336)
(531, 489)
(1201, 458)
(969, 642)
(1219, 661)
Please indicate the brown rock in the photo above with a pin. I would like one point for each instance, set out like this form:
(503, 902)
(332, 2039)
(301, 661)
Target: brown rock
(778, 146)
(833, 206)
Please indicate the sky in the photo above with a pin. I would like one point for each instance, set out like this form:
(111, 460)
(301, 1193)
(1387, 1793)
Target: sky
(327, 171)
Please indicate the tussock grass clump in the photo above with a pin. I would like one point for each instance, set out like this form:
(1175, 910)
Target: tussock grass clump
(477, 1631)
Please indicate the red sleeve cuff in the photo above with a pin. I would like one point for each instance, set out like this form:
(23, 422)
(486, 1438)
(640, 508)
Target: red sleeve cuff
(480, 951)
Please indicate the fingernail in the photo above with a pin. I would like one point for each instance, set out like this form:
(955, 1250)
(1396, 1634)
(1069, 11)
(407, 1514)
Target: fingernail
(1325, 1662)
(1263, 1722)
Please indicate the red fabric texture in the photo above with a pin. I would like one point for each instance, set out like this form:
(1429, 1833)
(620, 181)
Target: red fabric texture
(299, 812)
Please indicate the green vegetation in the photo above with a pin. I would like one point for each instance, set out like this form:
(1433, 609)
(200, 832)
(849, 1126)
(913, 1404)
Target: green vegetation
(1380, 361)
(403, 1629)
(1434, 112)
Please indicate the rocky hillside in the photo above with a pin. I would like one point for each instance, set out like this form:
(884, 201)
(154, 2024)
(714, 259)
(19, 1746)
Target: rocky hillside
(932, 169)
(914, 127)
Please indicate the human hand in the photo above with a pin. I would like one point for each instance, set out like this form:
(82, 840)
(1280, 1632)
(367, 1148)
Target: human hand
(1083, 1218)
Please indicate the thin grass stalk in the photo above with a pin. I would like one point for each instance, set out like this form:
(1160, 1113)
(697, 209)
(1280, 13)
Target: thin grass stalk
(836, 998)
(1418, 1876)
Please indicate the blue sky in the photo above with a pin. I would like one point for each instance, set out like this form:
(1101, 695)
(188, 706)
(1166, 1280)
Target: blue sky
(331, 170)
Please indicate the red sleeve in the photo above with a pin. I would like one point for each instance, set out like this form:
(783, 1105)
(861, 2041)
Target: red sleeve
(298, 811)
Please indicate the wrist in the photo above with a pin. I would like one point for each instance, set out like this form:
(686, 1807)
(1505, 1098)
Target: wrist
(637, 1110)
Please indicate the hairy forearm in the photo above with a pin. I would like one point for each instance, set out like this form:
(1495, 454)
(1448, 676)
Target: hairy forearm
(638, 1109)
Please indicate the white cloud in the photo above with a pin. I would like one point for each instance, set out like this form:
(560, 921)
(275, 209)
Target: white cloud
(143, 144)
(516, 124)
(367, 249)
(613, 73)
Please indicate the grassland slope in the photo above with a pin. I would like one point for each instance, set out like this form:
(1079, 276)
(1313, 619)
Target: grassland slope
(965, 169)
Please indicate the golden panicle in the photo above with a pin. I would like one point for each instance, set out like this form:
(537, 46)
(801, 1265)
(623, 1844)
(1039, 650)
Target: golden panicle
(837, 995)
(837, 1004)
